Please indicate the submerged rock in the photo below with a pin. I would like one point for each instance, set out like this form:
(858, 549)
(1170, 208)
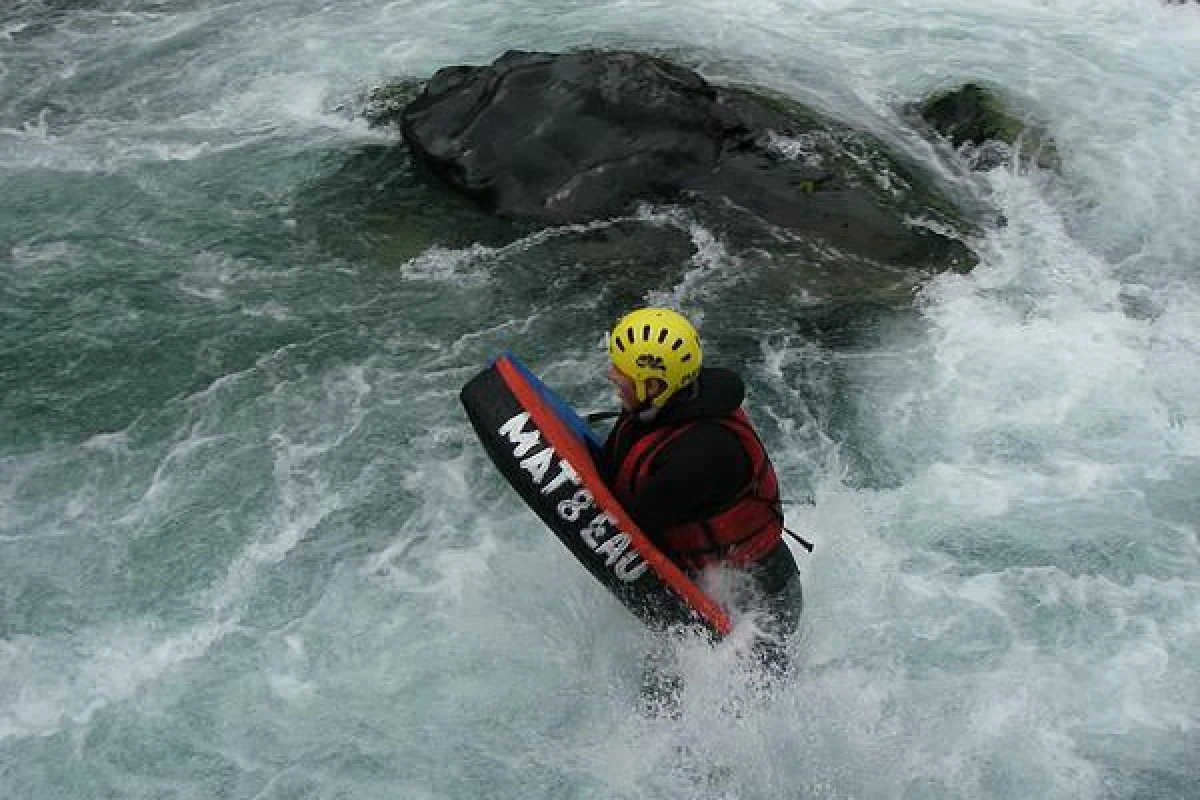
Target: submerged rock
(572, 137)
(975, 117)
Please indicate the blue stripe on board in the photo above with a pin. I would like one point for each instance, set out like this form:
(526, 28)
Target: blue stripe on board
(560, 406)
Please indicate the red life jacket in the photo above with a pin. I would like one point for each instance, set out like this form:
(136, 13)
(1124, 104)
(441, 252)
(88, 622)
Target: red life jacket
(740, 533)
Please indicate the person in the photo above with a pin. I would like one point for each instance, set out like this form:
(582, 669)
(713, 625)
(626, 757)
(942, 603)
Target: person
(689, 467)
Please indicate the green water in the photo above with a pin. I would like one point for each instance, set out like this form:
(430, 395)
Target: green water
(249, 547)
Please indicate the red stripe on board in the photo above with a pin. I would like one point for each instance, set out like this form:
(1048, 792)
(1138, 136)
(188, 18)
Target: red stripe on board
(569, 446)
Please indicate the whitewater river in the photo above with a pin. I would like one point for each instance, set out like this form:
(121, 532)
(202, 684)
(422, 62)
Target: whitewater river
(250, 548)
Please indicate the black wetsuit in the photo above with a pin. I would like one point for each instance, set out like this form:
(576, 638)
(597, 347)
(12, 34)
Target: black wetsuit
(700, 473)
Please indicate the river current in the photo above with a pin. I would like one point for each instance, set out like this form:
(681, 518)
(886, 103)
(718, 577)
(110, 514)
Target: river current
(249, 547)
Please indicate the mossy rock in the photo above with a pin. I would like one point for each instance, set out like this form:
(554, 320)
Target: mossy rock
(975, 117)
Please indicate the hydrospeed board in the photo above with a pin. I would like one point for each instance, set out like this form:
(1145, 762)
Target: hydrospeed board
(544, 450)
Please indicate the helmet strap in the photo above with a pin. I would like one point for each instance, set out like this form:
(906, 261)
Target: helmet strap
(647, 412)
(644, 391)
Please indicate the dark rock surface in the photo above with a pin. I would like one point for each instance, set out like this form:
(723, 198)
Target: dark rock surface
(558, 138)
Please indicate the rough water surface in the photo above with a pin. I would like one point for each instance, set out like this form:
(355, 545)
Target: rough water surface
(249, 547)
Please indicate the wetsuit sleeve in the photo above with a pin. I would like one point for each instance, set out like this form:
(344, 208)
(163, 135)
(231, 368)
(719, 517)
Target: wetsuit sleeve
(699, 473)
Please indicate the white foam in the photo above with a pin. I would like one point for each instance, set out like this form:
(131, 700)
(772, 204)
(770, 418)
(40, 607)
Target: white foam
(65, 681)
(467, 266)
(712, 267)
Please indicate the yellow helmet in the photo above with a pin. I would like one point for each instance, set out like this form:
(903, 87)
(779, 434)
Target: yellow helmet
(656, 343)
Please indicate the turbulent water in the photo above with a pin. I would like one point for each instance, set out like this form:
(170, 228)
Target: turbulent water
(249, 547)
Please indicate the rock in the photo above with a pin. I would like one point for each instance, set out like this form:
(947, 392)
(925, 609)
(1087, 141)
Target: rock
(579, 136)
(975, 119)
(564, 137)
(385, 105)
